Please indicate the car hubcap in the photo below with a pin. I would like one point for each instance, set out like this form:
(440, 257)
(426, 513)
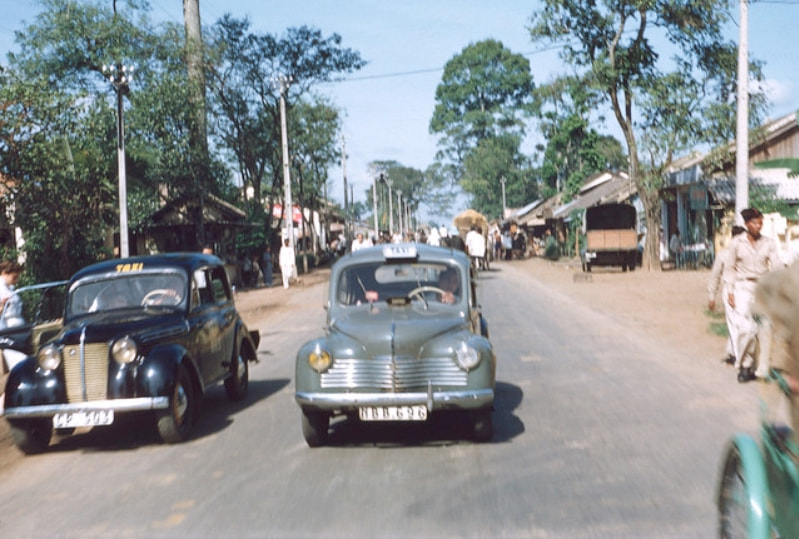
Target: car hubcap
(242, 368)
(181, 403)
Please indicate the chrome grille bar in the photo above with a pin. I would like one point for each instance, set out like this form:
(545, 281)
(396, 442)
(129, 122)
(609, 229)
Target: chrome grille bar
(86, 371)
(401, 374)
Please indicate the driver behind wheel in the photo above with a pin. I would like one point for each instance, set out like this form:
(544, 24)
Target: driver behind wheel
(448, 282)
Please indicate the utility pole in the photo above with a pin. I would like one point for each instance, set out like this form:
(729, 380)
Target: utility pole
(399, 209)
(374, 204)
(198, 133)
(390, 208)
(742, 134)
(288, 208)
(346, 204)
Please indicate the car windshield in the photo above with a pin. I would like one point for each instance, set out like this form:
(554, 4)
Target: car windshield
(425, 281)
(124, 291)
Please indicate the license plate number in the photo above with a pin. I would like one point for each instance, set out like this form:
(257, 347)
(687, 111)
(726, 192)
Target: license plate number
(91, 418)
(417, 412)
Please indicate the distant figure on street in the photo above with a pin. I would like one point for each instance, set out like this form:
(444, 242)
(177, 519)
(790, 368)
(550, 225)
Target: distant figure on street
(287, 262)
(208, 249)
(674, 246)
(266, 265)
(360, 243)
(476, 247)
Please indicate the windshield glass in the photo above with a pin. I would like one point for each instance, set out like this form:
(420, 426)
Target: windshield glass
(433, 282)
(123, 291)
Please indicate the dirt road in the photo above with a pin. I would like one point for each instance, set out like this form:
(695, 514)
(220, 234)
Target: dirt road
(667, 306)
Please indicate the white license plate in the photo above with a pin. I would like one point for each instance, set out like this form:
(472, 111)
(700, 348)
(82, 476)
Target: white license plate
(417, 412)
(93, 418)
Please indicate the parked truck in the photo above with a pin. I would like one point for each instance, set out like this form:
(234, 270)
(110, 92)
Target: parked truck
(611, 238)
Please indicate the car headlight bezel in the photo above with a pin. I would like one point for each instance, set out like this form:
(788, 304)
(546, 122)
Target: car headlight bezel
(124, 350)
(49, 357)
(320, 359)
(467, 356)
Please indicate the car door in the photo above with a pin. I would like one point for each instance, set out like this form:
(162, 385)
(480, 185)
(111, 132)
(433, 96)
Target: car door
(211, 322)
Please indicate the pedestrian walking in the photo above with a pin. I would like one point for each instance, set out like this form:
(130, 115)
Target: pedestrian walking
(713, 286)
(751, 256)
(287, 262)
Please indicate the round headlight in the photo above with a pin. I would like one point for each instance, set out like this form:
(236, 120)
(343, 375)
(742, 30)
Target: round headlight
(319, 359)
(124, 350)
(468, 357)
(49, 358)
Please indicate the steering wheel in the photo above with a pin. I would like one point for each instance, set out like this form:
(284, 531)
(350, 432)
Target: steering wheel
(421, 289)
(161, 296)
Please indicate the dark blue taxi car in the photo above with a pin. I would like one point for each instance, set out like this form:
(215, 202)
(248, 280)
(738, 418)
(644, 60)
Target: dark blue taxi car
(143, 334)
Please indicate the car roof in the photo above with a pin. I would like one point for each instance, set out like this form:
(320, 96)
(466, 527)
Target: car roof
(424, 253)
(188, 262)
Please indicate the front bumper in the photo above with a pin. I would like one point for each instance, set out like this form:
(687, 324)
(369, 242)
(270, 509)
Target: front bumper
(444, 400)
(118, 405)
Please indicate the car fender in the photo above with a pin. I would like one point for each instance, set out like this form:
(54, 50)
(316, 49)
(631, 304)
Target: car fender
(754, 470)
(161, 368)
(28, 385)
(247, 342)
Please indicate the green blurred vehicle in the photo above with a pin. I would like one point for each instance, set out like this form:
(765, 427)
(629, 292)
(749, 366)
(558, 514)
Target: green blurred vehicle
(758, 495)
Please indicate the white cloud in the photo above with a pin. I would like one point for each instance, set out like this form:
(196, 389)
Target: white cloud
(781, 94)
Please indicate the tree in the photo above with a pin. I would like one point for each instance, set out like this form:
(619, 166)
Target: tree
(485, 93)
(573, 150)
(243, 70)
(484, 167)
(615, 43)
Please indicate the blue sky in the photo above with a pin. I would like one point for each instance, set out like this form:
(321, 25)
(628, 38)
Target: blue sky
(388, 104)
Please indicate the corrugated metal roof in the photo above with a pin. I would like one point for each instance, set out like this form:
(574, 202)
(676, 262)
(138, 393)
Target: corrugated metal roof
(616, 189)
(785, 187)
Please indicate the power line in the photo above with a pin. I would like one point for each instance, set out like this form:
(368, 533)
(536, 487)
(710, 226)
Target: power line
(437, 69)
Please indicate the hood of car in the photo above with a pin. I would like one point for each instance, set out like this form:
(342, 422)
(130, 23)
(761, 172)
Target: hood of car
(106, 326)
(389, 331)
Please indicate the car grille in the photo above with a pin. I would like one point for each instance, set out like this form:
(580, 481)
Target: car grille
(86, 380)
(399, 374)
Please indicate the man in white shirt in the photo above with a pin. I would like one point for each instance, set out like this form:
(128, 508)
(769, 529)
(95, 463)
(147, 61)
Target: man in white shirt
(476, 246)
(751, 256)
(360, 243)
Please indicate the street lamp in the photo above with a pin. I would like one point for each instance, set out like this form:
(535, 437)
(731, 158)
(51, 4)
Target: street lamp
(120, 77)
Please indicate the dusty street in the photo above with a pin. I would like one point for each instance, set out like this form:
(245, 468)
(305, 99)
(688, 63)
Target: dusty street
(668, 306)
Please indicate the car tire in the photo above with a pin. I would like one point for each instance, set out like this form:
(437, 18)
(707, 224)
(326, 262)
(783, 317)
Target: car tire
(31, 436)
(482, 425)
(175, 422)
(315, 425)
(238, 382)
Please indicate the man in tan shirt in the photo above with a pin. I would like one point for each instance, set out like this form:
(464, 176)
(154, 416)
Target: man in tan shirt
(751, 256)
(713, 285)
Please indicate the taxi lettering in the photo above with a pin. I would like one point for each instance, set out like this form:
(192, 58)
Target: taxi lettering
(123, 268)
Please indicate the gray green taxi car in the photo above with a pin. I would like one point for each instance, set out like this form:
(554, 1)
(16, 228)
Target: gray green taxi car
(405, 339)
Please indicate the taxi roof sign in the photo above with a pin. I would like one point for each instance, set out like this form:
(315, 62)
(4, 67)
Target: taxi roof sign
(400, 251)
